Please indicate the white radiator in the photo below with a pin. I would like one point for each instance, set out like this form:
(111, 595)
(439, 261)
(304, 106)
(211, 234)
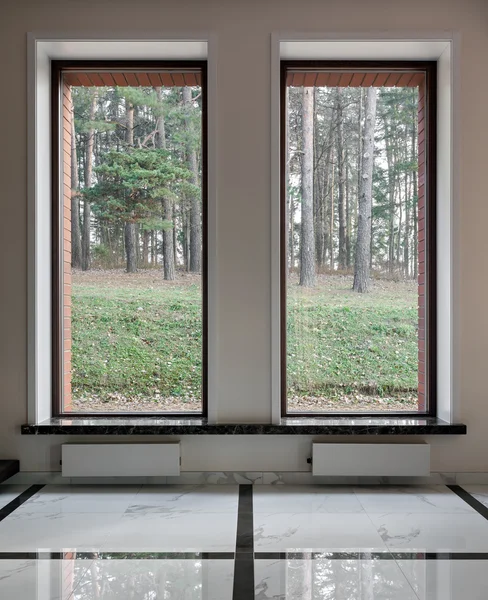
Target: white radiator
(120, 460)
(371, 459)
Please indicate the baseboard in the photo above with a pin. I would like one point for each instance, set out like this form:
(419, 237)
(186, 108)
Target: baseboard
(255, 477)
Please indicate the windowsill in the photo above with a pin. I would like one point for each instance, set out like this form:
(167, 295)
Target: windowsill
(288, 426)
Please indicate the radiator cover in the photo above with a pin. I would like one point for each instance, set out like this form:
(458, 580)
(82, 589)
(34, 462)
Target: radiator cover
(369, 460)
(120, 460)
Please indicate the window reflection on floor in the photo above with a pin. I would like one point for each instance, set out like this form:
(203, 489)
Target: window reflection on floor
(142, 579)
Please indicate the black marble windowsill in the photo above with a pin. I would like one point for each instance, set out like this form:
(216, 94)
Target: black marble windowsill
(288, 426)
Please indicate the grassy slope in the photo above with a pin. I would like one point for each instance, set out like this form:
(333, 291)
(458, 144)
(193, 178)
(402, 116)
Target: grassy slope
(136, 342)
(145, 341)
(341, 342)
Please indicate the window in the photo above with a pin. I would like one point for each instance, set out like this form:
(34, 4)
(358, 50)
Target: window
(129, 237)
(358, 160)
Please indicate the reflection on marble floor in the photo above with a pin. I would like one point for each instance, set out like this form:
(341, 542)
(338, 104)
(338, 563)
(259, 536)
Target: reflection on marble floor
(116, 579)
(447, 579)
(161, 579)
(40, 579)
(322, 579)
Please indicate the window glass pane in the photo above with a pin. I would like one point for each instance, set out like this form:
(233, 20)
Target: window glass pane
(354, 206)
(132, 239)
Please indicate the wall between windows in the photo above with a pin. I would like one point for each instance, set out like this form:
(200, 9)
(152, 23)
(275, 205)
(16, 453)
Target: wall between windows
(243, 179)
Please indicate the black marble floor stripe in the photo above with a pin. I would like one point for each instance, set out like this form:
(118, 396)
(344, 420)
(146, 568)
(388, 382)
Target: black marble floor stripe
(73, 555)
(469, 499)
(376, 556)
(16, 502)
(244, 559)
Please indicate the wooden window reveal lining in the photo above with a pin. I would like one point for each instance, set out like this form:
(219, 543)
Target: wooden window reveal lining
(133, 78)
(338, 78)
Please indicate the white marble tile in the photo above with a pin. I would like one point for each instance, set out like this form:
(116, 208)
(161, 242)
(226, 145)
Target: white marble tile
(290, 478)
(184, 531)
(305, 499)
(9, 492)
(216, 477)
(82, 499)
(433, 532)
(165, 579)
(411, 499)
(186, 499)
(334, 579)
(25, 531)
(447, 579)
(321, 531)
(41, 579)
(479, 491)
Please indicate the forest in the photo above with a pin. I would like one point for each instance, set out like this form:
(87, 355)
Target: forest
(351, 172)
(352, 254)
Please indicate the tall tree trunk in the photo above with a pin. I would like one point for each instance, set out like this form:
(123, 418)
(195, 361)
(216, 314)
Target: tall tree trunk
(288, 197)
(130, 226)
(360, 154)
(75, 201)
(363, 243)
(195, 210)
(415, 192)
(391, 197)
(307, 250)
(332, 216)
(341, 180)
(406, 241)
(168, 249)
(348, 216)
(85, 242)
(145, 247)
(130, 246)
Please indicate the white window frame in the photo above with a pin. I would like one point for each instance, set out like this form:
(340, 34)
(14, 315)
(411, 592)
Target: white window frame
(42, 48)
(442, 47)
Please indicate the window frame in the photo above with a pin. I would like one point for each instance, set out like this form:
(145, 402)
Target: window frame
(429, 68)
(57, 273)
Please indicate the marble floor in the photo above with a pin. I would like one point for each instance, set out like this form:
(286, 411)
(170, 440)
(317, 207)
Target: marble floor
(267, 542)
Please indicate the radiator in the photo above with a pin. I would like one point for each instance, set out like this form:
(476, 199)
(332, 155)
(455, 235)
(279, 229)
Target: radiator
(371, 459)
(120, 460)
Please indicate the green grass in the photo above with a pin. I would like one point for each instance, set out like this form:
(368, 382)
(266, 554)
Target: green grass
(142, 342)
(351, 343)
(137, 342)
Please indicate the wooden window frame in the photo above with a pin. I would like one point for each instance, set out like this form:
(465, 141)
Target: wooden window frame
(429, 69)
(57, 348)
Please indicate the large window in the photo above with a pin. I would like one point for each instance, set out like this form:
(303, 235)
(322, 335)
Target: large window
(358, 237)
(129, 237)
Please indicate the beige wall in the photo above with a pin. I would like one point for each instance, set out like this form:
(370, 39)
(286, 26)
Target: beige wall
(243, 30)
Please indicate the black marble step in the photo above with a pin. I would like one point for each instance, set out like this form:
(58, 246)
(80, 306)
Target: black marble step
(8, 468)
(288, 426)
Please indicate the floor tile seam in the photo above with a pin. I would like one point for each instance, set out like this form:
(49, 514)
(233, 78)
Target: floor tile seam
(80, 579)
(375, 529)
(406, 578)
